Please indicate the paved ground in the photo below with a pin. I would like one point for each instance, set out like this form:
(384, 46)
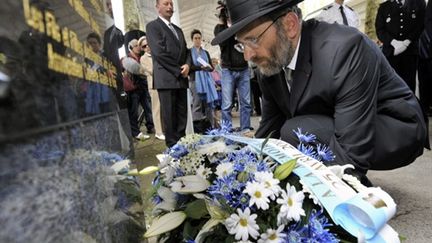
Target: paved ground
(410, 187)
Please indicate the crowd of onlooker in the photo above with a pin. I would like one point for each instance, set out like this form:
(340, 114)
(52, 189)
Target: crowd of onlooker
(159, 68)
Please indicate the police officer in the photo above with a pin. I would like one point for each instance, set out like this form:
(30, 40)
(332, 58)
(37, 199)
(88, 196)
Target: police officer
(339, 13)
(399, 24)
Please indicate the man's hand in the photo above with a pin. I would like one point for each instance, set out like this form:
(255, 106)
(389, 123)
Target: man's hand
(399, 47)
(184, 70)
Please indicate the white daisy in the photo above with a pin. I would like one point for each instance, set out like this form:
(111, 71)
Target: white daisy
(224, 169)
(259, 195)
(269, 182)
(273, 236)
(291, 205)
(203, 172)
(242, 225)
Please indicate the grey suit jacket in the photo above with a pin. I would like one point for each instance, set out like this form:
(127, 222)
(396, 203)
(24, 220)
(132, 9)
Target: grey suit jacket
(342, 74)
(169, 54)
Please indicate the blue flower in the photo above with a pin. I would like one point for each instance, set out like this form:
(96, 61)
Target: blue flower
(111, 157)
(222, 186)
(157, 179)
(177, 151)
(229, 191)
(304, 137)
(225, 128)
(317, 228)
(306, 150)
(324, 153)
(294, 234)
(157, 199)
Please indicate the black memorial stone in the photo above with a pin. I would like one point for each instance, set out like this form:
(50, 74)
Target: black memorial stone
(62, 124)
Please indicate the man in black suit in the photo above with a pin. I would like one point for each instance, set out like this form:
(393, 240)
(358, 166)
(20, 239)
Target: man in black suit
(171, 67)
(329, 80)
(399, 24)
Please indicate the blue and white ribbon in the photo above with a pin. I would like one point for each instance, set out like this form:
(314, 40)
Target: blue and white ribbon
(364, 214)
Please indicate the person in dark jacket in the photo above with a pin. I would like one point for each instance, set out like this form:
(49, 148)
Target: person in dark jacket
(331, 81)
(202, 86)
(399, 24)
(235, 75)
(425, 63)
(170, 71)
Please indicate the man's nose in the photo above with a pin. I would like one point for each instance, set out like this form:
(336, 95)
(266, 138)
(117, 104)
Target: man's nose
(248, 53)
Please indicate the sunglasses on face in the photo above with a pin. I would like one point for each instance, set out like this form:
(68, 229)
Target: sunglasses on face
(144, 46)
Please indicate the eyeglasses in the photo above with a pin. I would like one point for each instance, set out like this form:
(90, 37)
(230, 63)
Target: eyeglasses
(144, 46)
(253, 42)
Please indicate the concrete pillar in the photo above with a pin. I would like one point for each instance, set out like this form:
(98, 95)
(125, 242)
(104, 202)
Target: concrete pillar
(371, 12)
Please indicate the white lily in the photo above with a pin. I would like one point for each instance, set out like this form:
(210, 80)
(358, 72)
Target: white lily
(189, 184)
(168, 199)
(212, 148)
(165, 223)
(120, 165)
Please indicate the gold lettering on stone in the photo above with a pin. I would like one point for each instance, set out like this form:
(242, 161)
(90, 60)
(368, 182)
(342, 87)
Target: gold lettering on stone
(52, 29)
(61, 64)
(33, 17)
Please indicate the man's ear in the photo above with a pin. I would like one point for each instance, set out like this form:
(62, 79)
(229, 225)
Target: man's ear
(291, 24)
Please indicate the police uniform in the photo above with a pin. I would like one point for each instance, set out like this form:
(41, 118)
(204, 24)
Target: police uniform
(396, 22)
(333, 14)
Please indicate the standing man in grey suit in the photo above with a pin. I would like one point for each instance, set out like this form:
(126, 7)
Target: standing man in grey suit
(328, 80)
(170, 70)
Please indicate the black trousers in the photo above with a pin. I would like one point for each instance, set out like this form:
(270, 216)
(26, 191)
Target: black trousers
(173, 107)
(406, 67)
(425, 84)
(134, 99)
(256, 95)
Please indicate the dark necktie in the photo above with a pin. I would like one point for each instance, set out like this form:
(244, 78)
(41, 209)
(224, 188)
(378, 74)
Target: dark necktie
(288, 77)
(344, 18)
(173, 30)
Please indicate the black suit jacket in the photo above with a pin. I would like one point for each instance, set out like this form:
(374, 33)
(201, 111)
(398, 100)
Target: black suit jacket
(394, 22)
(342, 74)
(169, 54)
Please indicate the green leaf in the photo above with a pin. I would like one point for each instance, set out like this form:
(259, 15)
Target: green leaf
(206, 229)
(196, 209)
(265, 141)
(216, 212)
(284, 170)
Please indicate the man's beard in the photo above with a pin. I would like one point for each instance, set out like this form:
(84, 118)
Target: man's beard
(280, 55)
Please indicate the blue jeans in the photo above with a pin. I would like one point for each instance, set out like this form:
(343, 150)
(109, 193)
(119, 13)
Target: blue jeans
(230, 81)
